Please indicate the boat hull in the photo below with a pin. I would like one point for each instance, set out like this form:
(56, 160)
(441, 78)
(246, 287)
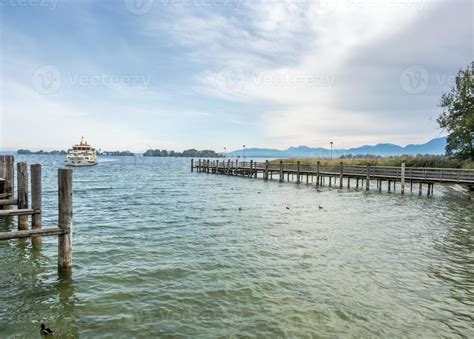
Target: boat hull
(80, 163)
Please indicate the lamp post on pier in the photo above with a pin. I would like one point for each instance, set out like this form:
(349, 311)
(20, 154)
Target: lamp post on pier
(331, 148)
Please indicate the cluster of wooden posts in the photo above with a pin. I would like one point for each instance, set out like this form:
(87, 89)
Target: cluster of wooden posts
(359, 176)
(19, 206)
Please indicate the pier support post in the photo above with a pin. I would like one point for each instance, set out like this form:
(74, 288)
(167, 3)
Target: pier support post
(367, 181)
(65, 218)
(420, 189)
(22, 183)
(251, 169)
(217, 166)
(207, 167)
(402, 184)
(298, 179)
(9, 177)
(265, 174)
(318, 178)
(281, 171)
(36, 202)
(341, 173)
(192, 165)
(2, 175)
(199, 165)
(228, 167)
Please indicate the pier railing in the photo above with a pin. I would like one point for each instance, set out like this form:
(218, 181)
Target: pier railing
(318, 173)
(449, 175)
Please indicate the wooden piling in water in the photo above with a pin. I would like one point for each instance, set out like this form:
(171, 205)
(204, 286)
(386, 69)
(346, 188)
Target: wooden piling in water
(65, 218)
(281, 171)
(265, 174)
(367, 181)
(22, 184)
(192, 165)
(2, 176)
(298, 178)
(341, 175)
(36, 202)
(9, 177)
(318, 174)
(402, 179)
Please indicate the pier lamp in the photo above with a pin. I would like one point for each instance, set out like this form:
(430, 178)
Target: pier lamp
(244, 152)
(331, 148)
(225, 152)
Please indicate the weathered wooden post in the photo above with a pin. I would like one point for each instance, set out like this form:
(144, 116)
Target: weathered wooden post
(228, 166)
(36, 202)
(217, 166)
(192, 165)
(298, 172)
(22, 183)
(265, 174)
(318, 164)
(251, 168)
(65, 218)
(367, 181)
(420, 189)
(199, 165)
(281, 171)
(256, 171)
(207, 169)
(402, 184)
(9, 177)
(2, 176)
(341, 173)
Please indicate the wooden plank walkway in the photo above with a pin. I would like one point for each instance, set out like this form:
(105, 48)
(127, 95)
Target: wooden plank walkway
(319, 172)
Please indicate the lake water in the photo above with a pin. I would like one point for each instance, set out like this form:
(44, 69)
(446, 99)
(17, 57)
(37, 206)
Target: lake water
(160, 251)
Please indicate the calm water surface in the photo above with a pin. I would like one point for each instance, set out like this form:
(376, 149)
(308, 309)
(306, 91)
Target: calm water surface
(163, 252)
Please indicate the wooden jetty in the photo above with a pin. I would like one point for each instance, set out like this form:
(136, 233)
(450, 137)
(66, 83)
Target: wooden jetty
(24, 209)
(341, 175)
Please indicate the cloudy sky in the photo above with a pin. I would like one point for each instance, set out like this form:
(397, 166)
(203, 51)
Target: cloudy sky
(175, 74)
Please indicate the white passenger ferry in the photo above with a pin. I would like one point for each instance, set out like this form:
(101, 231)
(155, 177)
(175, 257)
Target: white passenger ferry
(82, 155)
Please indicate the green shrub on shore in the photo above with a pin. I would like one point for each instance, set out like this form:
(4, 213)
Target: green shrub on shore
(410, 161)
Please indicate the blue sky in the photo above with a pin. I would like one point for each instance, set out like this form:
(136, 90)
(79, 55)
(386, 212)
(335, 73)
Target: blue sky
(177, 74)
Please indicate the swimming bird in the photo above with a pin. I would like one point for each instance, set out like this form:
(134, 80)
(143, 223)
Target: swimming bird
(240, 209)
(287, 208)
(320, 207)
(45, 331)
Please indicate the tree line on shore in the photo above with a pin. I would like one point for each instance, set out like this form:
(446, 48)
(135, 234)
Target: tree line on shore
(193, 153)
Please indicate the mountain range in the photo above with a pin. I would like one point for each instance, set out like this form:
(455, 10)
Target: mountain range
(432, 147)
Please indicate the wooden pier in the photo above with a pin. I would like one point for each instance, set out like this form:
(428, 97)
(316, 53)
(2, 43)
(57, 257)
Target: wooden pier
(24, 210)
(364, 177)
